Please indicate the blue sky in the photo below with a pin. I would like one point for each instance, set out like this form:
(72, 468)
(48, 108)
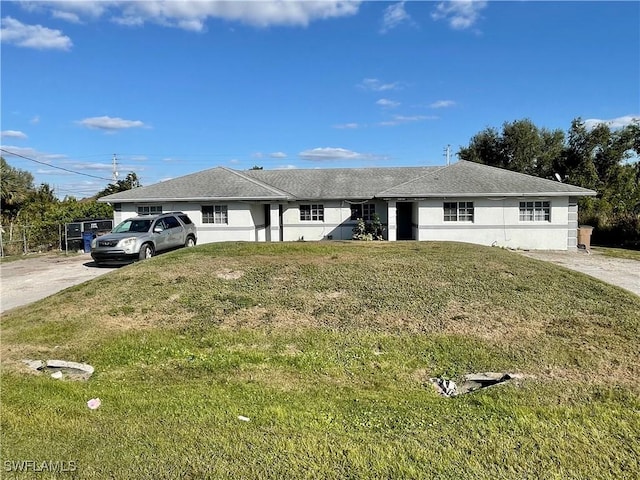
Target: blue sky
(175, 87)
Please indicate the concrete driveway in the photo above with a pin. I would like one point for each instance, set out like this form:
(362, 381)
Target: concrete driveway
(30, 279)
(621, 272)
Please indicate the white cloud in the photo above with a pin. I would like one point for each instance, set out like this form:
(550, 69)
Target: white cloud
(375, 85)
(402, 119)
(332, 153)
(286, 167)
(101, 167)
(386, 103)
(270, 155)
(460, 14)
(66, 16)
(110, 124)
(347, 126)
(30, 152)
(52, 171)
(33, 36)
(193, 14)
(13, 134)
(35, 120)
(613, 123)
(443, 104)
(394, 15)
(71, 8)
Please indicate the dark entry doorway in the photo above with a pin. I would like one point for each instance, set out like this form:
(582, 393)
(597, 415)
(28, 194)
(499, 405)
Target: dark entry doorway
(404, 220)
(267, 222)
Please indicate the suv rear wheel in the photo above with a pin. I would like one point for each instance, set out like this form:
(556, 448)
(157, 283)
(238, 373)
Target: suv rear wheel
(146, 252)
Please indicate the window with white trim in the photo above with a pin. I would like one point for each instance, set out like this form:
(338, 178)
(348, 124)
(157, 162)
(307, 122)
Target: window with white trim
(312, 212)
(215, 214)
(535, 211)
(149, 209)
(458, 211)
(365, 211)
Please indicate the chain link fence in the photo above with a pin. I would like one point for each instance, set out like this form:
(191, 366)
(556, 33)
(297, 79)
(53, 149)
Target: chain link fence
(17, 239)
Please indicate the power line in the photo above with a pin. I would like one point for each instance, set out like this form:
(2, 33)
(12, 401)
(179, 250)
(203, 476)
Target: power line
(53, 166)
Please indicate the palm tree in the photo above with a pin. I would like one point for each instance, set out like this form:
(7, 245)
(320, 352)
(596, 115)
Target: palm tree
(15, 187)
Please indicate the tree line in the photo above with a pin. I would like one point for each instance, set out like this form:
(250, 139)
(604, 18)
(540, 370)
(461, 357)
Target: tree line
(597, 157)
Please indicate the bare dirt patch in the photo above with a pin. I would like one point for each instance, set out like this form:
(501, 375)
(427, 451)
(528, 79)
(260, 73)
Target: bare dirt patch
(229, 274)
(488, 322)
(260, 317)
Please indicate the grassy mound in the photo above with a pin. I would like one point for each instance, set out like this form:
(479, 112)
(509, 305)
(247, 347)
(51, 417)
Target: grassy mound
(328, 349)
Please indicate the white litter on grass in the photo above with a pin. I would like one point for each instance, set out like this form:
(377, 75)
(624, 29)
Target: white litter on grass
(445, 387)
(244, 419)
(57, 375)
(472, 382)
(94, 403)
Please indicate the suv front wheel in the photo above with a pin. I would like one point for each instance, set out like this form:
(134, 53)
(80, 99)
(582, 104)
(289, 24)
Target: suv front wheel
(146, 252)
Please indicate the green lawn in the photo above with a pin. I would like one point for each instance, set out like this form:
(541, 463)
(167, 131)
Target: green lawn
(328, 349)
(618, 252)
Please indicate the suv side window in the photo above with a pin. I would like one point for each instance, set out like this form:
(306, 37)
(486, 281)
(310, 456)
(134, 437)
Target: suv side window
(171, 222)
(160, 223)
(185, 219)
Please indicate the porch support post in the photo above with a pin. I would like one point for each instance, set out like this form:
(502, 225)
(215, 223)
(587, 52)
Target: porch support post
(274, 224)
(392, 226)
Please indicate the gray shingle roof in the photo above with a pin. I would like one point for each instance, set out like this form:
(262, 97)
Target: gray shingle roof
(459, 179)
(214, 184)
(472, 179)
(338, 183)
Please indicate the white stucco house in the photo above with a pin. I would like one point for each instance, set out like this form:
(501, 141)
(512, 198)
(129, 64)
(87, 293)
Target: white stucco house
(464, 201)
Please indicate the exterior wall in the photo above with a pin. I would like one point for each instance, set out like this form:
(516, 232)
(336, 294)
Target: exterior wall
(415, 220)
(496, 222)
(337, 224)
(392, 226)
(572, 233)
(273, 232)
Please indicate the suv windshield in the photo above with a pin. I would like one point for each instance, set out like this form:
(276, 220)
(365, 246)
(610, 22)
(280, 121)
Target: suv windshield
(133, 226)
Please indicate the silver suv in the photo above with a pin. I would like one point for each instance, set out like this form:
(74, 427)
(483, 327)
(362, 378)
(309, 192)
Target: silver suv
(141, 237)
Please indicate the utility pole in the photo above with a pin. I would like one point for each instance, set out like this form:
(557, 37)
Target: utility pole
(447, 154)
(115, 168)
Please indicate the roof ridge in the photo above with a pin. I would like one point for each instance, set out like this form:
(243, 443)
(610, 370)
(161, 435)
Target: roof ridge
(484, 165)
(436, 169)
(258, 182)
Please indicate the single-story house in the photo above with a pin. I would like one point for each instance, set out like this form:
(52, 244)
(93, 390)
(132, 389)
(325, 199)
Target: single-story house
(464, 201)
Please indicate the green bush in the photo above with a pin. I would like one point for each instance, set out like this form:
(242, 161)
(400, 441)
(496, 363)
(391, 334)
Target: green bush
(621, 230)
(373, 230)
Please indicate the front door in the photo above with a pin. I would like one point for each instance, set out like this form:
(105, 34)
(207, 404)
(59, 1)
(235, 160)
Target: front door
(404, 220)
(267, 222)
